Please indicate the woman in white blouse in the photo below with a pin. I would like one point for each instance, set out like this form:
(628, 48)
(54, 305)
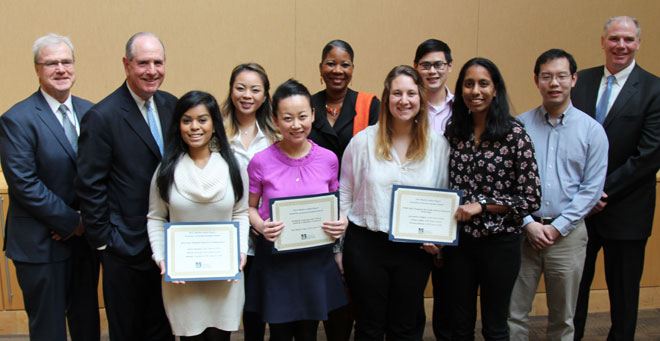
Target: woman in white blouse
(247, 116)
(199, 180)
(387, 279)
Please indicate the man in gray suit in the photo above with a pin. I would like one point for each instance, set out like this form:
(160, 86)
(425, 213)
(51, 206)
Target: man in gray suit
(625, 99)
(56, 268)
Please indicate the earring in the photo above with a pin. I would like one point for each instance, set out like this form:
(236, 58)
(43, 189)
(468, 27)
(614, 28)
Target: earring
(214, 144)
(321, 80)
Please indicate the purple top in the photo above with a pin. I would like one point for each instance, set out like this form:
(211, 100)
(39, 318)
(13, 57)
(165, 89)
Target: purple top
(275, 175)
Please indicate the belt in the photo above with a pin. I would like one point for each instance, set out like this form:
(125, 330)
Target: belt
(543, 220)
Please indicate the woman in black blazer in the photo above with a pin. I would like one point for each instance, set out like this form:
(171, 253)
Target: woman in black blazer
(336, 108)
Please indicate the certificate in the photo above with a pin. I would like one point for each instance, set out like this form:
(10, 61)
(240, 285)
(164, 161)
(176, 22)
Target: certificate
(303, 217)
(201, 251)
(424, 215)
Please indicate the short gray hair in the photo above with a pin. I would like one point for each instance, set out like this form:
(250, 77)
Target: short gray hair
(50, 39)
(623, 17)
(130, 49)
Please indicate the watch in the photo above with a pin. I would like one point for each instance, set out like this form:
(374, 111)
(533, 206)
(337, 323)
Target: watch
(484, 208)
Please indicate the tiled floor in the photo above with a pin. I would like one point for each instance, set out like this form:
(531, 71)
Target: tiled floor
(598, 324)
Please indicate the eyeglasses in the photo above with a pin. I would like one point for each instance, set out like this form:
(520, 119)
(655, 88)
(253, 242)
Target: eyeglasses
(561, 78)
(52, 64)
(440, 66)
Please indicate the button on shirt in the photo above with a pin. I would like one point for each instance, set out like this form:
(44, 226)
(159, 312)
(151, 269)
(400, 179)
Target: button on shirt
(366, 181)
(439, 115)
(620, 79)
(572, 160)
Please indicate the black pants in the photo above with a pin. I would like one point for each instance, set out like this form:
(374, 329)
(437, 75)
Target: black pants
(624, 264)
(253, 326)
(387, 281)
(441, 308)
(490, 264)
(133, 298)
(68, 288)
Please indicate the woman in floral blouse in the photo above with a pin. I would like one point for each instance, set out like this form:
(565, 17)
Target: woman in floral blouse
(492, 161)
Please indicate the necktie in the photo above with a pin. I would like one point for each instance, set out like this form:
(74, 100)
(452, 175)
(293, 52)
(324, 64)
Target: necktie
(153, 126)
(69, 129)
(601, 108)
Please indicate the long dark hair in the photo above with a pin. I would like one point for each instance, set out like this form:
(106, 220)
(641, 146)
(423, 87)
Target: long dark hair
(175, 147)
(499, 121)
(263, 114)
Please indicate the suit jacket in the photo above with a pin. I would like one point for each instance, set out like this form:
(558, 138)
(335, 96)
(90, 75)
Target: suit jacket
(633, 131)
(117, 156)
(39, 165)
(337, 137)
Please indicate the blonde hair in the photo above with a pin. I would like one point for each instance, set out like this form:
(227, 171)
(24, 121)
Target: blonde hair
(420, 132)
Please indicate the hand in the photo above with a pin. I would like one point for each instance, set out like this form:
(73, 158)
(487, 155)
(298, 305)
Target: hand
(240, 266)
(466, 211)
(337, 228)
(80, 229)
(431, 248)
(600, 205)
(339, 257)
(161, 265)
(536, 235)
(272, 230)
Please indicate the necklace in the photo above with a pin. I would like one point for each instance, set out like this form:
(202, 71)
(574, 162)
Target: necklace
(334, 112)
(247, 131)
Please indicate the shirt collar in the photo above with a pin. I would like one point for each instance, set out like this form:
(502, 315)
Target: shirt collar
(138, 100)
(55, 104)
(622, 75)
(562, 117)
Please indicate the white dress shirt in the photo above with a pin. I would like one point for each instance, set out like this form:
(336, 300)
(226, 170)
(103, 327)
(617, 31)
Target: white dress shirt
(620, 79)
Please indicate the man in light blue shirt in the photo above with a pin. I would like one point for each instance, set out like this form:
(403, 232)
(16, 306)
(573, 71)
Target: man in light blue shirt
(571, 152)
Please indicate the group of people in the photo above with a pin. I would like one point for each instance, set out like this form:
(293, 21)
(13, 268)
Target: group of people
(542, 193)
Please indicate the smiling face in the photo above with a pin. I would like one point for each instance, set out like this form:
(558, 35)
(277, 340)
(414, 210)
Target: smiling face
(434, 79)
(555, 83)
(146, 71)
(247, 93)
(404, 101)
(337, 69)
(478, 89)
(56, 71)
(196, 127)
(620, 44)
(294, 118)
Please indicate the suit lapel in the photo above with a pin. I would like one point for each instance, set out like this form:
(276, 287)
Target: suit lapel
(347, 113)
(46, 115)
(592, 91)
(628, 90)
(135, 120)
(77, 110)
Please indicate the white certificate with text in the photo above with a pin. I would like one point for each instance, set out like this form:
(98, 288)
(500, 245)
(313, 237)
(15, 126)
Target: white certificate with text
(303, 217)
(201, 251)
(424, 215)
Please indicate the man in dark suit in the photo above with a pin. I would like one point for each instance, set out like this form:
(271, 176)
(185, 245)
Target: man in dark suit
(626, 100)
(56, 268)
(121, 144)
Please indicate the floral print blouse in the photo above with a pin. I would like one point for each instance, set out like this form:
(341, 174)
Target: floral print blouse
(500, 172)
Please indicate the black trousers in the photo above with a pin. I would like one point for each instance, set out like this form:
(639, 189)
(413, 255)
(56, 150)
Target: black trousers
(489, 264)
(387, 281)
(133, 298)
(60, 292)
(305, 330)
(624, 264)
(441, 320)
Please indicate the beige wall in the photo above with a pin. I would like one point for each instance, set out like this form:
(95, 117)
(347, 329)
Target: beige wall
(206, 38)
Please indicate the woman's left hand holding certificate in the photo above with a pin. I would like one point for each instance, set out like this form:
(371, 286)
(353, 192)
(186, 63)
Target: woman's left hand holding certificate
(336, 228)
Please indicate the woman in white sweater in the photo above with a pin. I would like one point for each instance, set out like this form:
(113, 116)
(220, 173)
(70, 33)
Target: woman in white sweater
(199, 180)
